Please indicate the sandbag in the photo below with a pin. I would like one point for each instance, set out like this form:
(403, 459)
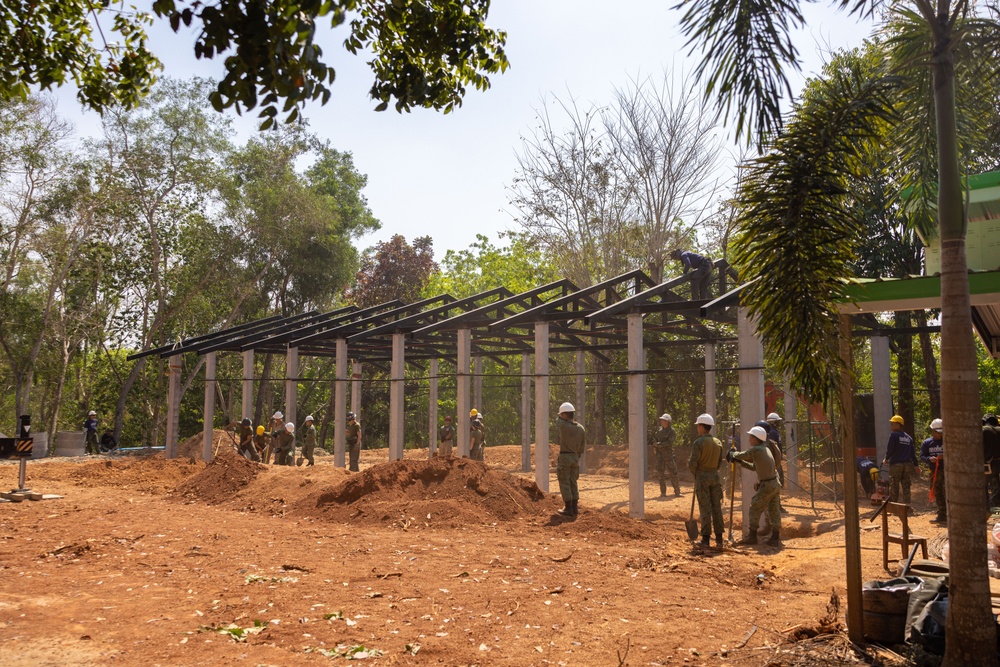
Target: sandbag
(929, 590)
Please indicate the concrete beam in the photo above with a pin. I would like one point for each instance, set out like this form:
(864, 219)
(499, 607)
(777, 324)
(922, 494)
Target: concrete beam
(291, 384)
(882, 394)
(248, 384)
(710, 400)
(340, 406)
(525, 412)
(542, 405)
(462, 390)
(396, 398)
(477, 383)
(636, 419)
(751, 360)
(581, 401)
(209, 425)
(356, 389)
(432, 409)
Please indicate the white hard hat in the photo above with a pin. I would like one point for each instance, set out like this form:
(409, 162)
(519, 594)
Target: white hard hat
(937, 425)
(666, 417)
(774, 417)
(91, 414)
(309, 418)
(759, 433)
(290, 427)
(566, 407)
(705, 420)
(277, 415)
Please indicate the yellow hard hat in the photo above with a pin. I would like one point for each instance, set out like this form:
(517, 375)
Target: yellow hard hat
(473, 412)
(260, 430)
(896, 419)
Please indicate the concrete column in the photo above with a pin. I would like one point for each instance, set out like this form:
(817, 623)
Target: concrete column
(248, 384)
(710, 404)
(882, 393)
(477, 383)
(542, 405)
(291, 384)
(432, 409)
(751, 356)
(791, 439)
(209, 428)
(636, 419)
(356, 389)
(340, 406)
(396, 398)
(581, 401)
(173, 406)
(462, 390)
(525, 412)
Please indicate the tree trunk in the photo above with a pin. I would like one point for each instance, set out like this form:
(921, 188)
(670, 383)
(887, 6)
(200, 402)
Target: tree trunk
(904, 371)
(930, 367)
(970, 627)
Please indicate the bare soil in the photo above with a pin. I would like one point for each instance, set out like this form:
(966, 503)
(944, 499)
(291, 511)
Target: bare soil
(449, 562)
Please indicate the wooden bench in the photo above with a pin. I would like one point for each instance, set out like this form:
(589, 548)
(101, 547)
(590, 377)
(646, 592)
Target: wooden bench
(904, 538)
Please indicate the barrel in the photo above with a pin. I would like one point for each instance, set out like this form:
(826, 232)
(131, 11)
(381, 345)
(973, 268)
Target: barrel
(70, 443)
(884, 604)
(929, 569)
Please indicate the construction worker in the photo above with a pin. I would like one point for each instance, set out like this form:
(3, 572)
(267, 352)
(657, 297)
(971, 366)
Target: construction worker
(699, 272)
(244, 435)
(767, 490)
(572, 437)
(663, 448)
(309, 442)
(90, 429)
(901, 458)
(284, 445)
(353, 441)
(477, 436)
(260, 444)
(108, 443)
(932, 453)
(867, 474)
(706, 457)
(446, 437)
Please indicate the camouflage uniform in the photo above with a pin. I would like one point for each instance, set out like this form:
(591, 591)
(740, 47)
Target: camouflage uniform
(572, 437)
(309, 444)
(354, 443)
(260, 445)
(768, 491)
(706, 457)
(247, 449)
(477, 441)
(663, 447)
(446, 436)
(284, 445)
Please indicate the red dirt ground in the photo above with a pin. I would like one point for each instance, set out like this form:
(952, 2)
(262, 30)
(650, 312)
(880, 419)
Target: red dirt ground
(444, 562)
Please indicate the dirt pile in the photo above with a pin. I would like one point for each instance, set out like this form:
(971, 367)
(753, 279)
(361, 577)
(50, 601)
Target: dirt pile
(424, 493)
(154, 476)
(221, 479)
(191, 448)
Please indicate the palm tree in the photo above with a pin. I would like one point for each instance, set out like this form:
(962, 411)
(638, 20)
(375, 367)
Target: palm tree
(798, 187)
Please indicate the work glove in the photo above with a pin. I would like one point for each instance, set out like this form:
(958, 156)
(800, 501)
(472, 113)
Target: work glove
(730, 455)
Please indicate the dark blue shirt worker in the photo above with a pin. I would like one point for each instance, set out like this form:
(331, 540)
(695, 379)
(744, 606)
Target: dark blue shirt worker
(865, 466)
(932, 453)
(699, 271)
(90, 433)
(902, 460)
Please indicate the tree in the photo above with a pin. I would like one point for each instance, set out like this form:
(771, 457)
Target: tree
(425, 52)
(802, 179)
(482, 266)
(393, 269)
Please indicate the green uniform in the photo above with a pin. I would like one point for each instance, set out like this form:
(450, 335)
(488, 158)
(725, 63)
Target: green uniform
(446, 438)
(354, 444)
(663, 447)
(260, 444)
(572, 437)
(309, 445)
(284, 446)
(247, 449)
(706, 456)
(477, 440)
(768, 491)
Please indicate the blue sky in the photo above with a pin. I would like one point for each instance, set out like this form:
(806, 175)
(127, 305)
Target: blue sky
(445, 175)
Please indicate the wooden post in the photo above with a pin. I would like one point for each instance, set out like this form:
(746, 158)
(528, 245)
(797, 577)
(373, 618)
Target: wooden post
(340, 406)
(881, 395)
(636, 419)
(581, 401)
(751, 356)
(356, 389)
(477, 383)
(173, 406)
(525, 412)
(462, 391)
(542, 406)
(248, 383)
(432, 409)
(791, 438)
(291, 383)
(852, 529)
(396, 398)
(711, 407)
(209, 425)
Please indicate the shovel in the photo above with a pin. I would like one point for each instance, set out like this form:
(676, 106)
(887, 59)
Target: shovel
(691, 525)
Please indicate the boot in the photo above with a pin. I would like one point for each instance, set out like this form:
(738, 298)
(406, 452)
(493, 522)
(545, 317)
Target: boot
(940, 518)
(567, 510)
(677, 490)
(576, 508)
(718, 541)
(705, 541)
(749, 539)
(775, 539)
(663, 489)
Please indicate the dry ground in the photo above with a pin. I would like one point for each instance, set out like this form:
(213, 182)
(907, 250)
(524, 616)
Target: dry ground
(449, 563)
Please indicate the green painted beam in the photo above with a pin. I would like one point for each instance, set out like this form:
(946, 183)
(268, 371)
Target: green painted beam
(864, 290)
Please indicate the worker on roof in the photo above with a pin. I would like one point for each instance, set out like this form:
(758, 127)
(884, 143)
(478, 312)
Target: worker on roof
(699, 272)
